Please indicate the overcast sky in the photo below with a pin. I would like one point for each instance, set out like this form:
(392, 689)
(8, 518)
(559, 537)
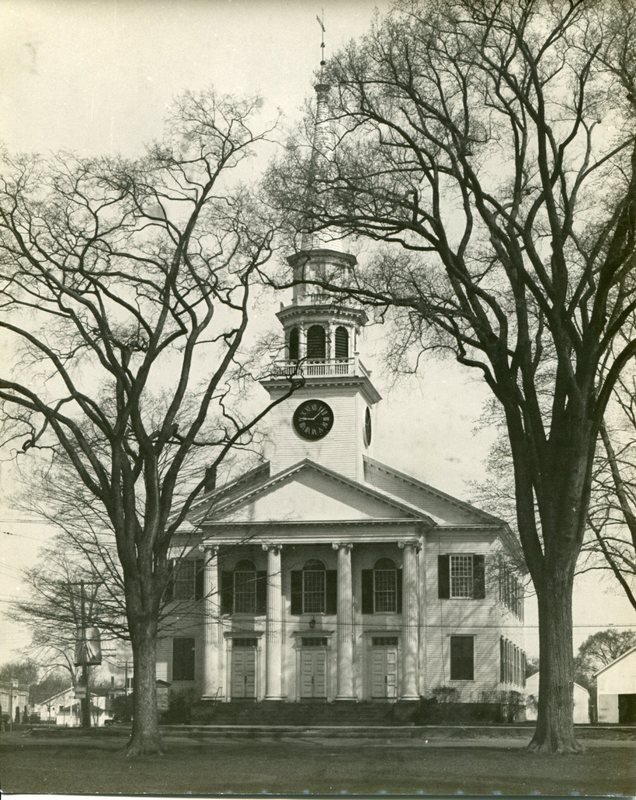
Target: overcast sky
(95, 76)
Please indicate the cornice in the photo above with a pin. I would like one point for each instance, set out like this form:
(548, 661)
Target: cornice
(369, 391)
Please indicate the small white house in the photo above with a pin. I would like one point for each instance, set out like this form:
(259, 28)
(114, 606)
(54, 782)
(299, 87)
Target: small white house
(616, 689)
(581, 712)
(64, 709)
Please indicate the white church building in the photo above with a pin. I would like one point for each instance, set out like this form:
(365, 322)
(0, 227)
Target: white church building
(324, 573)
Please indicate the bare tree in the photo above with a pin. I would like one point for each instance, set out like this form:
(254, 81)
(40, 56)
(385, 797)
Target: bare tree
(611, 516)
(493, 143)
(126, 289)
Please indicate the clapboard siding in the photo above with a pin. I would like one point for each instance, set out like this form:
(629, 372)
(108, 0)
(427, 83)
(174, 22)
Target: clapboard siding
(341, 450)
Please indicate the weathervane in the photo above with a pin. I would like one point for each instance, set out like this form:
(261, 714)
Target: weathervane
(321, 22)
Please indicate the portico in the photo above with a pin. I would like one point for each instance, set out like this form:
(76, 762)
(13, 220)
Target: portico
(312, 637)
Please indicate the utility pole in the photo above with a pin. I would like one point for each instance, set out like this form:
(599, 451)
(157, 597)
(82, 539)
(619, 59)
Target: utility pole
(83, 658)
(86, 700)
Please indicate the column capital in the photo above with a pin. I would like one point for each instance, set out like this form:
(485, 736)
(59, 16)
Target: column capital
(410, 543)
(275, 548)
(210, 550)
(342, 546)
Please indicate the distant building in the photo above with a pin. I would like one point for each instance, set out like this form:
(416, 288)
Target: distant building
(14, 702)
(64, 709)
(581, 696)
(616, 689)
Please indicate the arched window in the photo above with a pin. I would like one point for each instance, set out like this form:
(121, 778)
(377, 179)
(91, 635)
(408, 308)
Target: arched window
(293, 352)
(314, 587)
(342, 342)
(385, 587)
(316, 342)
(245, 588)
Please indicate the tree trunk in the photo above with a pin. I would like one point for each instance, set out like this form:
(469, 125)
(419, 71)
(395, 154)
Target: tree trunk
(145, 738)
(554, 732)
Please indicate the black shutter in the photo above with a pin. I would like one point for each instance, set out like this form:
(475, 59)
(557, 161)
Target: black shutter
(170, 584)
(367, 591)
(399, 591)
(332, 591)
(198, 578)
(479, 578)
(502, 673)
(296, 592)
(443, 577)
(261, 592)
(183, 659)
(227, 592)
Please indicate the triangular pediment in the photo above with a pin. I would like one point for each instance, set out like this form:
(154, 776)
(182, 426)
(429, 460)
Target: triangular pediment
(308, 492)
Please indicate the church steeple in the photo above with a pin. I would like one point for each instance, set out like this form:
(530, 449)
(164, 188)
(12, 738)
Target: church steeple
(321, 333)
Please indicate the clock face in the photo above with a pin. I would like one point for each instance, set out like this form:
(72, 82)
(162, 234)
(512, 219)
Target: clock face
(313, 419)
(367, 427)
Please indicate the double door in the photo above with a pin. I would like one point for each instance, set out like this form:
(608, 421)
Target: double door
(313, 673)
(384, 673)
(243, 678)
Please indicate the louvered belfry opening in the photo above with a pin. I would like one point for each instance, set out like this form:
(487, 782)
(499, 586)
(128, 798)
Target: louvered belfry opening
(316, 342)
(342, 342)
(294, 345)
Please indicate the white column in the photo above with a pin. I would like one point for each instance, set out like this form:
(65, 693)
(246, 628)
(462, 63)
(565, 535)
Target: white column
(273, 624)
(345, 623)
(211, 621)
(410, 621)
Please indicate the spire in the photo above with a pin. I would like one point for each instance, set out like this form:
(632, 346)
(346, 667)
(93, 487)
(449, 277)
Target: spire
(321, 22)
(320, 150)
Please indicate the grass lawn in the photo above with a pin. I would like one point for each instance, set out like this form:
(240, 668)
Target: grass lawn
(62, 765)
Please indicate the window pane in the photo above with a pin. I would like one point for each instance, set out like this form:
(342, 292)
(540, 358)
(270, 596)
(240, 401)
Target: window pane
(461, 575)
(184, 581)
(245, 592)
(461, 666)
(385, 590)
(313, 591)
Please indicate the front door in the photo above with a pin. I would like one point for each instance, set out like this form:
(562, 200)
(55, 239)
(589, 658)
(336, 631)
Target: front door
(313, 673)
(243, 684)
(384, 672)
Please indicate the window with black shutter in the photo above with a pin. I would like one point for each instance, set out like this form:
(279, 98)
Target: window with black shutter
(462, 658)
(384, 587)
(244, 588)
(314, 577)
(183, 659)
(186, 579)
(461, 576)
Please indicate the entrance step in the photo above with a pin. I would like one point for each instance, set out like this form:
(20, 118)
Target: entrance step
(309, 713)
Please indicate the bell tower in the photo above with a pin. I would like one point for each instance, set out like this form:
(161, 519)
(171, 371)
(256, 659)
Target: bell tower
(330, 417)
